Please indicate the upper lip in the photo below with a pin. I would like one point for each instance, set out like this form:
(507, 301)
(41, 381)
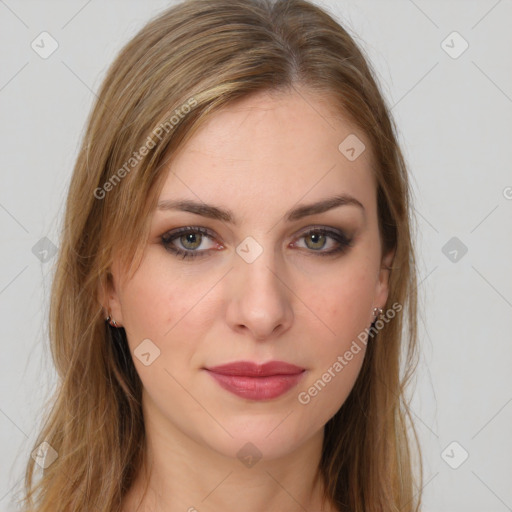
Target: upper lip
(251, 369)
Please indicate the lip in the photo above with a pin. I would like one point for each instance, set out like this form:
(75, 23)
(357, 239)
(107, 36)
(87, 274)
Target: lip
(251, 369)
(254, 381)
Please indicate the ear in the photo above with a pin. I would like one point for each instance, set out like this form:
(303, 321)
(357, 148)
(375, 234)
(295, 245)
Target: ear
(382, 287)
(109, 299)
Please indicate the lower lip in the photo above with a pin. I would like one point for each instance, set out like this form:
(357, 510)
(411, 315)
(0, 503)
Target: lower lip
(257, 388)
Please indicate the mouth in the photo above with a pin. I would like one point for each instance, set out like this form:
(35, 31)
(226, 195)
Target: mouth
(257, 382)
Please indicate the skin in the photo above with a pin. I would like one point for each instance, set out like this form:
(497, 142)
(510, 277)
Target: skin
(259, 158)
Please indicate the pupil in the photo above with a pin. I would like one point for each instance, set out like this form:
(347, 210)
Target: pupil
(316, 238)
(190, 238)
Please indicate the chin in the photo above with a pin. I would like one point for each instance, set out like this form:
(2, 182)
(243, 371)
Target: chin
(256, 440)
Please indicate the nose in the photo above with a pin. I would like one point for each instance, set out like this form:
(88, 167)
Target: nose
(259, 301)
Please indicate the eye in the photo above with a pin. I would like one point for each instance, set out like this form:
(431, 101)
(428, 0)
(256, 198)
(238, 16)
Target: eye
(190, 239)
(319, 237)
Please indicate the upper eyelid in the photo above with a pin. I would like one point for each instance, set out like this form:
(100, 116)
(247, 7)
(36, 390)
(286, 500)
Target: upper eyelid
(185, 229)
(173, 234)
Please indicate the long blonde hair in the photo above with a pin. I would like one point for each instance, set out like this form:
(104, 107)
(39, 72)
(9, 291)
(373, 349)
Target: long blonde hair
(183, 66)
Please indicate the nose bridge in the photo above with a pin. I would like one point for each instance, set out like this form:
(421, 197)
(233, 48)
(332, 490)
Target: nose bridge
(257, 265)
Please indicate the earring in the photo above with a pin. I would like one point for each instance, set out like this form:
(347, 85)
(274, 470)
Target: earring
(110, 320)
(377, 312)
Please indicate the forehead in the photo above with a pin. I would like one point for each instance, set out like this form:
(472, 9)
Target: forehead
(266, 153)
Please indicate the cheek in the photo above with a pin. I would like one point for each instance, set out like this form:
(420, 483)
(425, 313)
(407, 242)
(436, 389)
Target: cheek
(146, 303)
(336, 363)
(344, 303)
(158, 312)
(157, 299)
(172, 310)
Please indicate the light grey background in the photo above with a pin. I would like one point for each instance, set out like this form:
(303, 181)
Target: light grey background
(455, 119)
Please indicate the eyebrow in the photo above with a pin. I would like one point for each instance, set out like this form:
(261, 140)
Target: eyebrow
(297, 213)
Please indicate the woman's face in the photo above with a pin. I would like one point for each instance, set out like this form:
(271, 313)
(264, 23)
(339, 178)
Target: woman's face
(261, 286)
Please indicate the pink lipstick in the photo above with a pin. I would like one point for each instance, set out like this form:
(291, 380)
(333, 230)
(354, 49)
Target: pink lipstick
(257, 382)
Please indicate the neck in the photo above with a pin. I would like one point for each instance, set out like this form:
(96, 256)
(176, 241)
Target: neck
(183, 474)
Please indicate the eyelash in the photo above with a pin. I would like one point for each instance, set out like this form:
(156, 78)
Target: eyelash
(167, 239)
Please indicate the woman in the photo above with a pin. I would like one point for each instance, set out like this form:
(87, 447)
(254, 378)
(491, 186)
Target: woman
(236, 278)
